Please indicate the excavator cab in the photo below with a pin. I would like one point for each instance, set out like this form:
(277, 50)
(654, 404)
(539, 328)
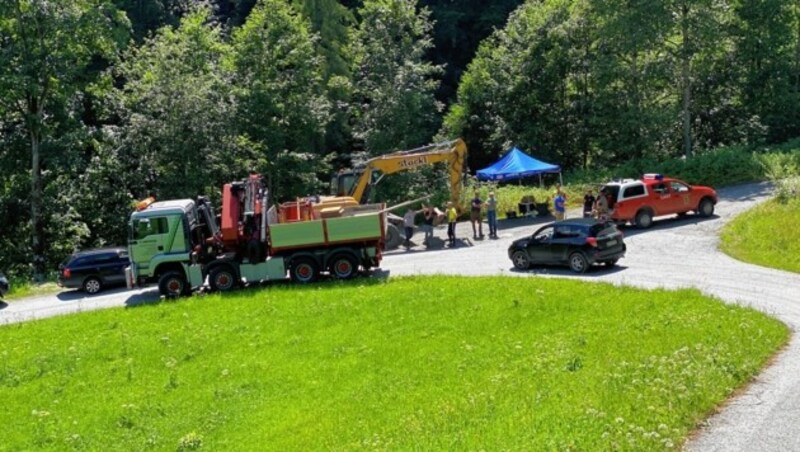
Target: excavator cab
(342, 183)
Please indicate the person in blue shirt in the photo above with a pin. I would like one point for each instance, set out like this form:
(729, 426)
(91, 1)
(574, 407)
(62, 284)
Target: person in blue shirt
(560, 205)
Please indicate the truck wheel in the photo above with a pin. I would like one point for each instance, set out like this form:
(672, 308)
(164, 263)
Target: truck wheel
(304, 270)
(172, 285)
(644, 219)
(706, 208)
(393, 237)
(92, 285)
(343, 266)
(222, 279)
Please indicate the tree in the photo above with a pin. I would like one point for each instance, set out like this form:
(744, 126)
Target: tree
(176, 111)
(394, 105)
(282, 110)
(459, 28)
(330, 20)
(45, 50)
(527, 87)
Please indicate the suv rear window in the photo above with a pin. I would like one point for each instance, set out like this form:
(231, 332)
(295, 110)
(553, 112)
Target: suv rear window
(601, 229)
(633, 190)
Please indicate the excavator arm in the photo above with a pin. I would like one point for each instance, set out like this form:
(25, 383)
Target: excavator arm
(454, 153)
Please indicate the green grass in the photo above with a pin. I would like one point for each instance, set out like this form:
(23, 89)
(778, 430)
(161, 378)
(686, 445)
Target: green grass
(23, 288)
(26, 290)
(414, 363)
(766, 235)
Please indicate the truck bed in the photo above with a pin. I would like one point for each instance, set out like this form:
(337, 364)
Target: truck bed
(365, 223)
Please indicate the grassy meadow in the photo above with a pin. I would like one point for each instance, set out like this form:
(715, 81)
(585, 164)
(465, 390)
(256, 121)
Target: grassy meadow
(426, 363)
(766, 235)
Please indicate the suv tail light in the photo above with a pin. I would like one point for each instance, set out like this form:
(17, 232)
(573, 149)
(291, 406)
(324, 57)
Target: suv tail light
(67, 273)
(591, 241)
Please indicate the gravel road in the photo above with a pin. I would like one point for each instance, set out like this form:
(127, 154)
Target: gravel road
(675, 253)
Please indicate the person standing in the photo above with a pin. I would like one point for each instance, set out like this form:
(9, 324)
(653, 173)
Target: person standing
(491, 215)
(475, 216)
(452, 216)
(601, 206)
(588, 203)
(408, 222)
(560, 205)
(428, 216)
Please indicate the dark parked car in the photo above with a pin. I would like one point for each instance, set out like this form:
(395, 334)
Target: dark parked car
(4, 286)
(94, 270)
(578, 243)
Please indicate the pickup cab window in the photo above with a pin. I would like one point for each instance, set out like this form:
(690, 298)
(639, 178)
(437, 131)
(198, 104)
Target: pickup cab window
(633, 191)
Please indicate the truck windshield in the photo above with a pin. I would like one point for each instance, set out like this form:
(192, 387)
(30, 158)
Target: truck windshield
(145, 227)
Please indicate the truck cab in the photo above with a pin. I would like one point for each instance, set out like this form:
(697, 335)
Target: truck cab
(161, 239)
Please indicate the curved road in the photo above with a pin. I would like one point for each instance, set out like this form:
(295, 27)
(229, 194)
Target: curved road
(675, 253)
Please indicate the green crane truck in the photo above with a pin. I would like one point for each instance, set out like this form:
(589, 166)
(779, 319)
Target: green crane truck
(181, 244)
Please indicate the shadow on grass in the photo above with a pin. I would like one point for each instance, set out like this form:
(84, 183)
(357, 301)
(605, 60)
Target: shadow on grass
(153, 298)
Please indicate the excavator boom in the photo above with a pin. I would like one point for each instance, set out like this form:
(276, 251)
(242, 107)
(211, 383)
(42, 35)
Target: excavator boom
(454, 153)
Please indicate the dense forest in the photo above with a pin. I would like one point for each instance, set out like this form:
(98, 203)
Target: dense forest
(105, 101)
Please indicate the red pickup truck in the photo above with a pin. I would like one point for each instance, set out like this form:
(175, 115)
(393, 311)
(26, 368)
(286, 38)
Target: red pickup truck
(654, 195)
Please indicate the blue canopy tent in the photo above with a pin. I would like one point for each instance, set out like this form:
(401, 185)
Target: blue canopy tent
(517, 165)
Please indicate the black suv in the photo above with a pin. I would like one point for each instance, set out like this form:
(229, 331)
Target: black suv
(94, 269)
(577, 243)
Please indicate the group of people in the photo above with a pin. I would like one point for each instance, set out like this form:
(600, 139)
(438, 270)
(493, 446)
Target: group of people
(429, 214)
(593, 207)
(596, 207)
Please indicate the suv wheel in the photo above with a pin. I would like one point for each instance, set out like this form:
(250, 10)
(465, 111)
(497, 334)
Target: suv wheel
(521, 260)
(92, 285)
(644, 219)
(172, 285)
(578, 263)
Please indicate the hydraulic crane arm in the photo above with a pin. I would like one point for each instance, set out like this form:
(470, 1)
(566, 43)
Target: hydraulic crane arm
(454, 153)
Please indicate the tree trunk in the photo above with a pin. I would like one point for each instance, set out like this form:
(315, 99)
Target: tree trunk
(37, 221)
(686, 82)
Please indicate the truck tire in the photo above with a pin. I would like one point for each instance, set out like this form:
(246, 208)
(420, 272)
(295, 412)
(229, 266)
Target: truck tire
(222, 279)
(393, 237)
(304, 270)
(343, 266)
(172, 285)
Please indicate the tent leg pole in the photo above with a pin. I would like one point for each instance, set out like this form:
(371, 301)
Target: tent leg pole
(540, 180)
(560, 178)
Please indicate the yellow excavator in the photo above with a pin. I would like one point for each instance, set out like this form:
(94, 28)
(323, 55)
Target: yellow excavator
(352, 187)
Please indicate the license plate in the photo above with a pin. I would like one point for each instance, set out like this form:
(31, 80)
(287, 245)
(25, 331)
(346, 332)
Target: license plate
(611, 242)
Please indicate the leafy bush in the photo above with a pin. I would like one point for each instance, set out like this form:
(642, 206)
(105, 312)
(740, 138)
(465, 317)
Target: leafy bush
(715, 167)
